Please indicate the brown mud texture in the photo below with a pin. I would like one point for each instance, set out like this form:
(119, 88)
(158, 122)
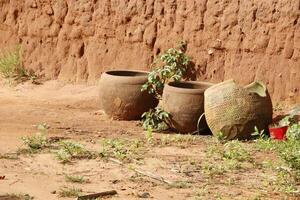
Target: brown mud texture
(75, 41)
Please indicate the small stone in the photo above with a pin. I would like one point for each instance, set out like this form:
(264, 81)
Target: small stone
(115, 181)
(33, 5)
(92, 141)
(53, 192)
(217, 44)
(143, 195)
(210, 52)
(49, 10)
(99, 112)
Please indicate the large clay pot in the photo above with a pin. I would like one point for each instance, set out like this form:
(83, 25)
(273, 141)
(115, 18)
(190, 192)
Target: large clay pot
(234, 111)
(185, 103)
(121, 96)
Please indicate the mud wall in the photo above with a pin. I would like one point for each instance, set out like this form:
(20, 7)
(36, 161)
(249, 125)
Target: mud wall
(75, 40)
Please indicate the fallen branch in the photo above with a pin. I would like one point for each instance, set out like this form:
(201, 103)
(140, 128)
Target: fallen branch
(97, 195)
(14, 182)
(153, 176)
(145, 173)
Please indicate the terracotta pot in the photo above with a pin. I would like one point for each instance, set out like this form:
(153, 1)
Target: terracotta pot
(121, 96)
(278, 133)
(185, 103)
(234, 111)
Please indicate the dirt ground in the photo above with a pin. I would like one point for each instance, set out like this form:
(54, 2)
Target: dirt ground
(72, 112)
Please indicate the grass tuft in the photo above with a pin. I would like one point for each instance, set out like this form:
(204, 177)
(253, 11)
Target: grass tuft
(69, 192)
(288, 174)
(14, 196)
(36, 142)
(180, 184)
(75, 179)
(69, 150)
(11, 66)
(124, 150)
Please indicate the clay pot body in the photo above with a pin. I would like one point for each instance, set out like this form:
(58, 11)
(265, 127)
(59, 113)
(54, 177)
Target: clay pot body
(234, 111)
(121, 96)
(185, 103)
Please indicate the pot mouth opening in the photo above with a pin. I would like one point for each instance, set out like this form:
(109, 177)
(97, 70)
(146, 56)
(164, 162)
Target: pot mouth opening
(189, 85)
(127, 73)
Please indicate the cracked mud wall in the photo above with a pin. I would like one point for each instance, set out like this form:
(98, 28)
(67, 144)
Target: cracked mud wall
(76, 40)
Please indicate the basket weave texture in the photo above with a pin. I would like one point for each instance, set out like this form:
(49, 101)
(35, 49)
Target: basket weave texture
(234, 111)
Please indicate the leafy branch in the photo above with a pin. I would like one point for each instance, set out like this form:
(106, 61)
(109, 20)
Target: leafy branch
(156, 119)
(170, 66)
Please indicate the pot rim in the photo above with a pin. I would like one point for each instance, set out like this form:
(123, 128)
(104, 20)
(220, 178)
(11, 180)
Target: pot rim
(140, 79)
(170, 87)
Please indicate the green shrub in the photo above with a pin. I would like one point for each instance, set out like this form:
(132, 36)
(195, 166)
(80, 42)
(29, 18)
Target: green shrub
(69, 192)
(75, 179)
(293, 132)
(69, 150)
(155, 119)
(10, 64)
(171, 65)
(121, 149)
(38, 141)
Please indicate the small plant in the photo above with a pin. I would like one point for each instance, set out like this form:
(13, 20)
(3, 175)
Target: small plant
(290, 152)
(225, 157)
(288, 173)
(293, 132)
(285, 182)
(69, 192)
(259, 134)
(213, 169)
(9, 156)
(75, 179)
(155, 119)
(180, 184)
(10, 65)
(70, 150)
(14, 196)
(172, 65)
(149, 136)
(201, 192)
(221, 137)
(121, 149)
(38, 141)
(233, 150)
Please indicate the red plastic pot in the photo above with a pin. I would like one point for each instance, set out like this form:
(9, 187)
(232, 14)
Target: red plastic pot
(278, 133)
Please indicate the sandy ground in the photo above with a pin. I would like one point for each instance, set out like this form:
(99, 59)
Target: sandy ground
(72, 111)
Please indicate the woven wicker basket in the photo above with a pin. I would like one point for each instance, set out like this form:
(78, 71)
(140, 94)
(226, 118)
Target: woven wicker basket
(234, 111)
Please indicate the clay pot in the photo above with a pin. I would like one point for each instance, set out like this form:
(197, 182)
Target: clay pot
(121, 96)
(234, 111)
(185, 103)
